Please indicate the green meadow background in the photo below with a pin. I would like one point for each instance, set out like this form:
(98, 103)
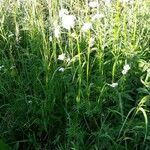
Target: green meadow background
(82, 101)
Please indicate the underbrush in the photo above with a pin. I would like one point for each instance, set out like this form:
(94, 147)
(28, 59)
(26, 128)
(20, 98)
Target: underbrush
(74, 75)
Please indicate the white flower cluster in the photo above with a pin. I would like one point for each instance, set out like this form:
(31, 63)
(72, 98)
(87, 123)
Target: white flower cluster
(63, 57)
(93, 4)
(107, 2)
(68, 21)
(126, 68)
(86, 27)
(63, 12)
(113, 85)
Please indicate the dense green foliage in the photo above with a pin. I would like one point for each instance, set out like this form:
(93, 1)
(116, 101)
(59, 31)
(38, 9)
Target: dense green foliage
(84, 87)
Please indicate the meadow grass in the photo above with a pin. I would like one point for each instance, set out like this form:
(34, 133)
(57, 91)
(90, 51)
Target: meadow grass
(74, 75)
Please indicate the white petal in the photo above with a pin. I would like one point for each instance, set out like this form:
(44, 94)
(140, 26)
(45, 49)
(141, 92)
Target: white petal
(86, 26)
(113, 85)
(61, 69)
(61, 57)
(68, 21)
(126, 67)
(124, 72)
(63, 12)
(93, 4)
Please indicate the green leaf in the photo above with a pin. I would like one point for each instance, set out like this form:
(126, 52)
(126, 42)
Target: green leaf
(4, 146)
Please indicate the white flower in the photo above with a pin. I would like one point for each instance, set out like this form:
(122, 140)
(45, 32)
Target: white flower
(57, 31)
(97, 16)
(91, 42)
(62, 57)
(126, 68)
(113, 85)
(61, 69)
(107, 2)
(93, 4)
(1, 67)
(124, 72)
(86, 26)
(63, 12)
(29, 101)
(68, 21)
(50, 39)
